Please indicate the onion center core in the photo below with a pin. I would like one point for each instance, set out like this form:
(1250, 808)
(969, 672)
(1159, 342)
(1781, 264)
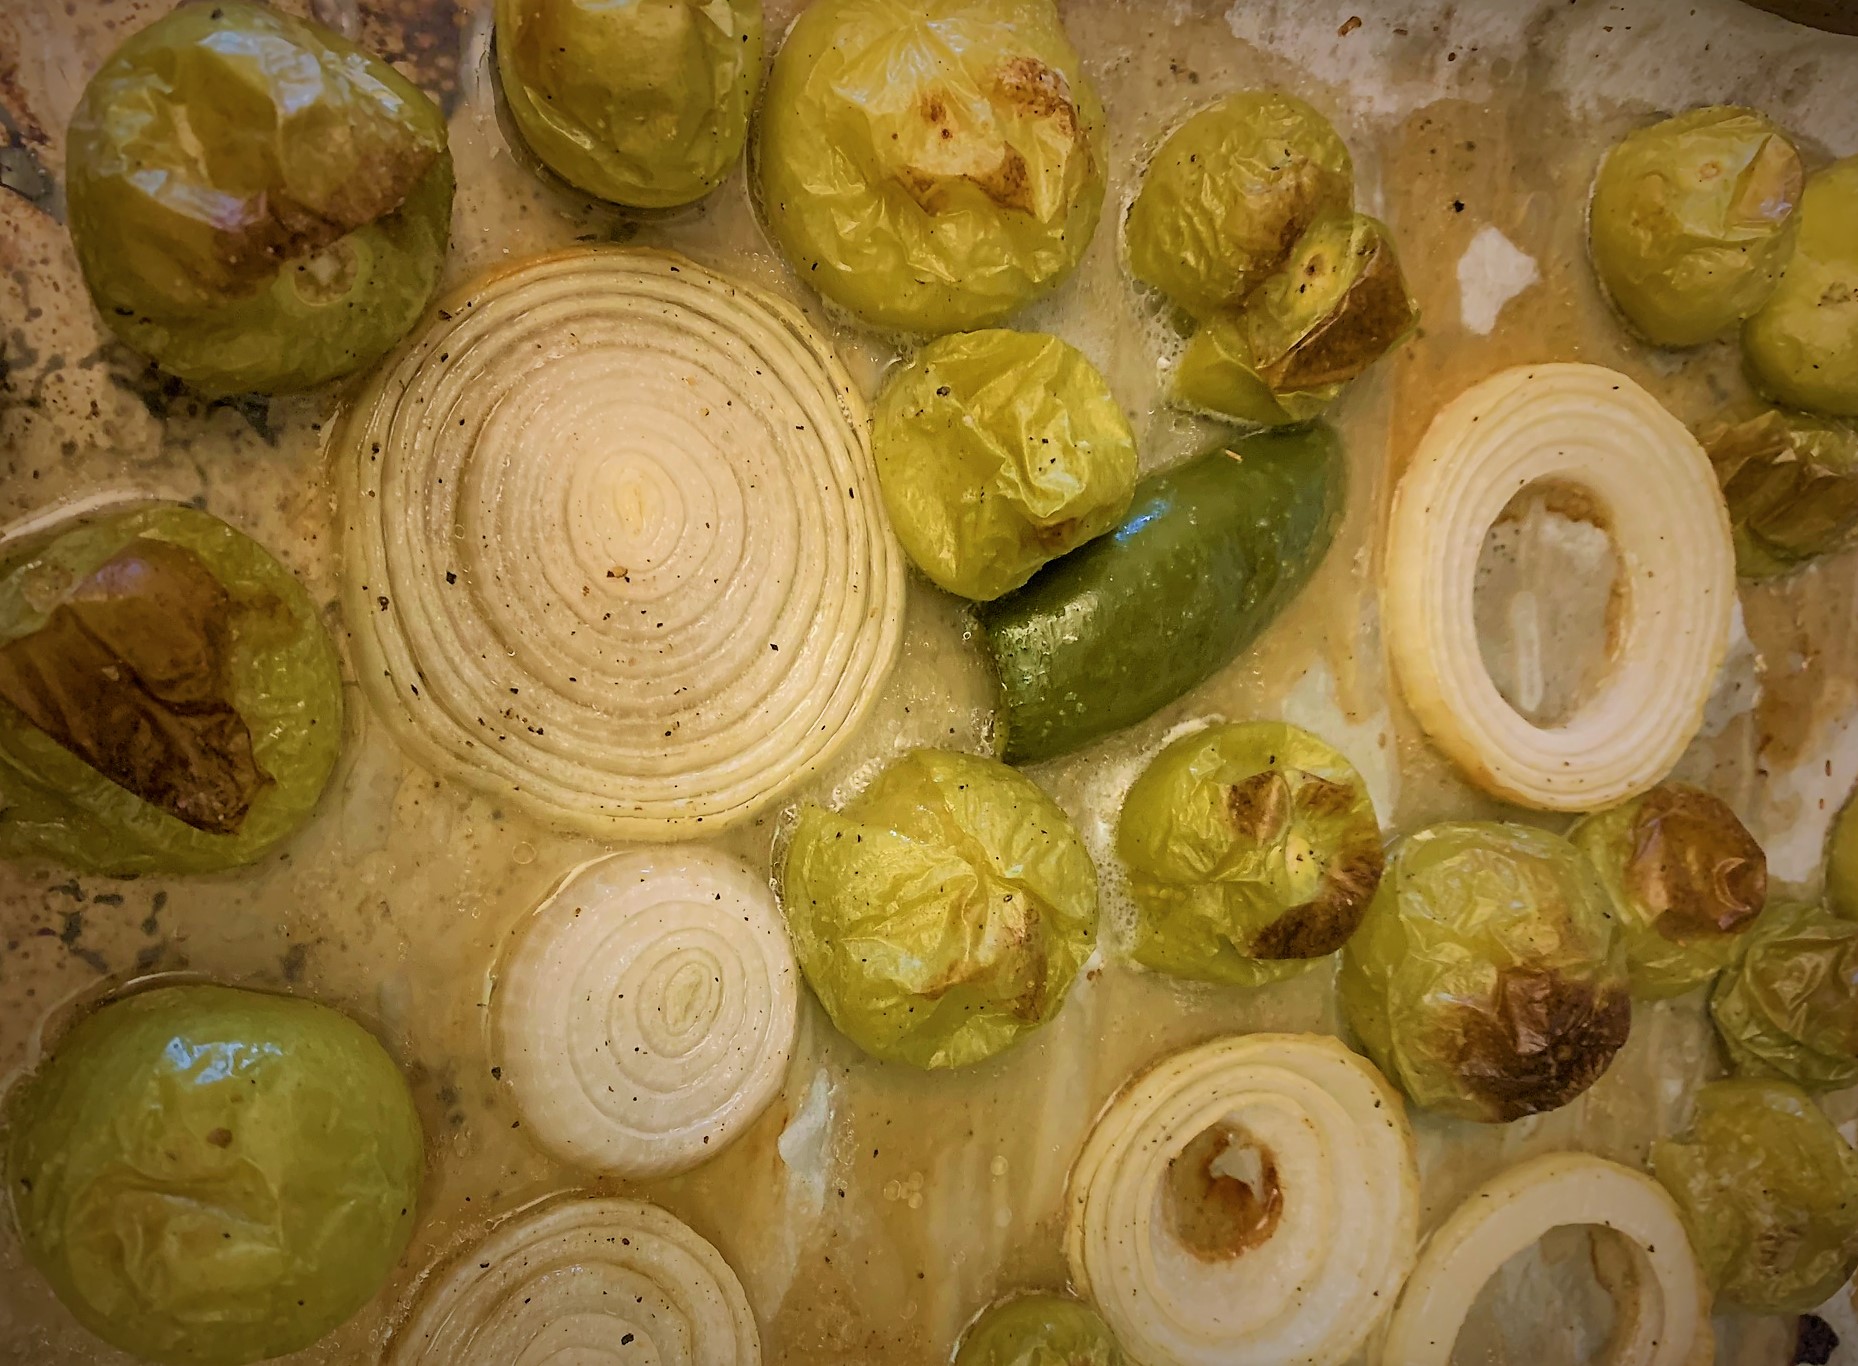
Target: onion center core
(1223, 1195)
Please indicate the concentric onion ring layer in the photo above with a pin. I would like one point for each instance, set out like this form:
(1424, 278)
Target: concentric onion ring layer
(614, 546)
(1663, 1309)
(1597, 432)
(584, 1283)
(648, 1011)
(1312, 1290)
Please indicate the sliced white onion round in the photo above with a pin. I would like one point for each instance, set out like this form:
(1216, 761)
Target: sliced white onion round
(584, 1283)
(614, 547)
(1302, 1149)
(1663, 1314)
(647, 1013)
(1594, 431)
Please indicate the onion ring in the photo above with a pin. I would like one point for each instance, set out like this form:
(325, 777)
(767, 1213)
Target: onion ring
(1598, 432)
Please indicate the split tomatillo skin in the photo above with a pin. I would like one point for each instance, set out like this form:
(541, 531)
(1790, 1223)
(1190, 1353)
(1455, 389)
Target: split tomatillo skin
(997, 452)
(1229, 194)
(1488, 976)
(1789, 1007)
(1802, 347)
(1791, 483)
(169, 698)
(1769, 1193)
(1686, 879)
(931, 166)
(1039, 1330)
(257, 204)
(644, 102)
(1251, 849)
(209, 1177)
(1693, 220)
(942, 914)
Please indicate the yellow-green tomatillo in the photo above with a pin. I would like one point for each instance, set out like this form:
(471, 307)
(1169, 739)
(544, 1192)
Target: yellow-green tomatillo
(1791, 483)
(1229, 193)
(943, 913)
(1802, 347)
(998, 451)
(210, 1177)
(641, 102)
(257, 204)
(1789, 1007)
(169, 698)
(1489, 976)
(1842, 862)
(1252, 850)
(1039, 1330)
(1692, 222)
(1686, 878)
(1769, 1195)
(931, 165)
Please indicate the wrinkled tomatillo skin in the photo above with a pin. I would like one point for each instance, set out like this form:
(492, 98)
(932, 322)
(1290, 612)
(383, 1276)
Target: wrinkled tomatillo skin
(931, 165)
(1686, 878)
(1769, 1194)
(1789, 1007)
(1791, 483)
(1692, 222)
(944, 912)
(644, 102)
(999, 451)
(1039, 1330)
(1228, 196)
(1488, 976)
(169, 698)
(1802, 347)
(1251, 849)
(257, 204)
(209, 1177)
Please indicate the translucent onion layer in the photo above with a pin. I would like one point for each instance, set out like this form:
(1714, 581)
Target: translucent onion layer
(589, 1282)
(1663, 1310)
(648, 1011)
(1249, 1202)
(1596, 433)
(614, 547)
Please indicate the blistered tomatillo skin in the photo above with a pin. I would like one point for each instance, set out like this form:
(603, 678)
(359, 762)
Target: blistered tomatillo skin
(1229, 194)
(1769, 1194)
(1488, 976)
(1789, 1007)
(931, 165)
(641, 102)
(169, 698)
(1692, 222)
(1039, 1330)
(257, 204)
(998, 451)
(1252, 849)
(943, 913)
(1802, 347)
(1791, 483)
(1336, 305)
(210, 1177)
(1686, 878)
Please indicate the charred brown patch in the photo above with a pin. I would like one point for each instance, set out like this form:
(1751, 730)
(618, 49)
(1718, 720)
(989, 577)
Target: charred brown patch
(1006, 938)
(1010, 183)
(1323, 924)
(1540, 1041)
(1055, 535)
(132, 673)
(1374, 312)
(424, 39)
(1027, 84)
(1259, 807)
(1223, 1194)
(1694, 865)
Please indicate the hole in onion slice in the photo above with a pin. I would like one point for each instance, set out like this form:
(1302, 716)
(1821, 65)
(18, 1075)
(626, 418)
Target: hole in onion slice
(1549, 601)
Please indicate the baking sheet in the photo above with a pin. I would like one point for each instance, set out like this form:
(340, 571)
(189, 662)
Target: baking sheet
(873, 1210)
